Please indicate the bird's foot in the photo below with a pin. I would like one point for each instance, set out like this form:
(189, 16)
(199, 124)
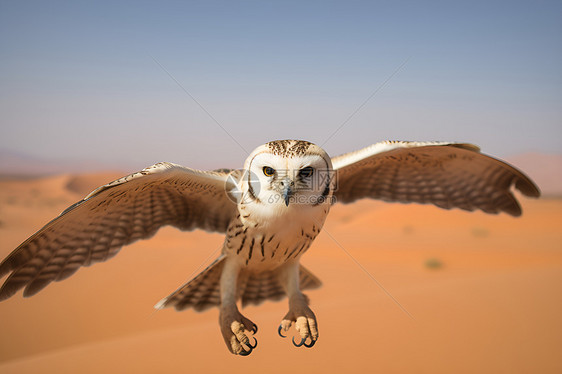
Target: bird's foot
(234, 328)
(305, 324)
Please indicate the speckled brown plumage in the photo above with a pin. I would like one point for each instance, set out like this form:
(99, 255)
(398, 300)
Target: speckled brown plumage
(446, 175)
(289, 148)
(123, 211)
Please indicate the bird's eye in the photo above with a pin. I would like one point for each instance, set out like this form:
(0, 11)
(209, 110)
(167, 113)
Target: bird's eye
(268, 171)
(306, 172)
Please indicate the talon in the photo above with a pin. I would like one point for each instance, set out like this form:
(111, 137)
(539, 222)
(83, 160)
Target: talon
(252, 347)
(245, 353)
(279, 331)
(312, 342)
(300, 344)
(255, 329)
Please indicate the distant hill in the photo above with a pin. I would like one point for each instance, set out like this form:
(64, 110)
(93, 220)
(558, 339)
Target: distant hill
(544, 169)
(15, 164)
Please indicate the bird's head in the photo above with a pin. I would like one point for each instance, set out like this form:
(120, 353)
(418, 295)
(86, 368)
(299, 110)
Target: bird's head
(288, 173)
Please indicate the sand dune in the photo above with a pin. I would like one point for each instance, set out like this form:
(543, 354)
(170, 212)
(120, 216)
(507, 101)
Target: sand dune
(483, 291)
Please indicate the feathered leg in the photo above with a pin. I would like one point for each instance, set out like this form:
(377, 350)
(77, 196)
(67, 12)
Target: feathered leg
(299, 312)
(232, 323)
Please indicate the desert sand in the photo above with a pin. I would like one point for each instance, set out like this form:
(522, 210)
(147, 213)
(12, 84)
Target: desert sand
(463, 293)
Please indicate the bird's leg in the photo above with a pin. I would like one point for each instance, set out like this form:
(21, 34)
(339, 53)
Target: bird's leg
(299, 312)
(232, 323)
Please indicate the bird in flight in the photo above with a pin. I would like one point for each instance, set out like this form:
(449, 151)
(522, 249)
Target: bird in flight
(270, 212)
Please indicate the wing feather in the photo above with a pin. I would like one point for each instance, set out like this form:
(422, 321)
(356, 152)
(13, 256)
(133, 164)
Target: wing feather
(116, 214)
(448, 175)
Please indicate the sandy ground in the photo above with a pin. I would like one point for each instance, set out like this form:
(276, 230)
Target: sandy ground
(465, 293)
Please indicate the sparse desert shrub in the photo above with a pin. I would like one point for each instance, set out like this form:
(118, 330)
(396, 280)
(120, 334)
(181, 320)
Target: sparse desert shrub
(433, 263)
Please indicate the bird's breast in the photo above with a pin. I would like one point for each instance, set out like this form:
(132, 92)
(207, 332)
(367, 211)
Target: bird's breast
(262, 246)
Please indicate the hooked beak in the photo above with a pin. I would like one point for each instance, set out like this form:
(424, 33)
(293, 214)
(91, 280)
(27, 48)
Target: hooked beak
(287, 193)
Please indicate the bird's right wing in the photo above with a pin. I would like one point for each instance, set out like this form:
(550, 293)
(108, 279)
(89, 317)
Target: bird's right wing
(118, 213)
(449, 175)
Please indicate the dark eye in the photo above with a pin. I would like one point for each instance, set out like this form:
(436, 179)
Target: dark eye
(268, 171)
(306, 172)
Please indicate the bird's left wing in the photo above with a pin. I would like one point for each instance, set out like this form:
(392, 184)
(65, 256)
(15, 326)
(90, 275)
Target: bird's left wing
(444, 174)
(118, 213)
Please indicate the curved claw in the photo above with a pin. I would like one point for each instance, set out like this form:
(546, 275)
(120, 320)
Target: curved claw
(245, 353)
(312, 342)
(252, 347)
(279, 331)
(254, 329)
(300, 344)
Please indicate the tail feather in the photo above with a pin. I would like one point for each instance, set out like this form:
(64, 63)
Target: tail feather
(308, 281)
(200, 293)
(203, 291)
(257, 288)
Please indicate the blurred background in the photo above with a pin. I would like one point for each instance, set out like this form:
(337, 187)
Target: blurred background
(90, 91)
(90, 82)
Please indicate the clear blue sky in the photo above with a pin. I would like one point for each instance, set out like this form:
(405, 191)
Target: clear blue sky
(77, 79)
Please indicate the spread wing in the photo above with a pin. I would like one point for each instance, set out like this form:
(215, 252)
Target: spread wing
(121, 212)
(449, 175)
